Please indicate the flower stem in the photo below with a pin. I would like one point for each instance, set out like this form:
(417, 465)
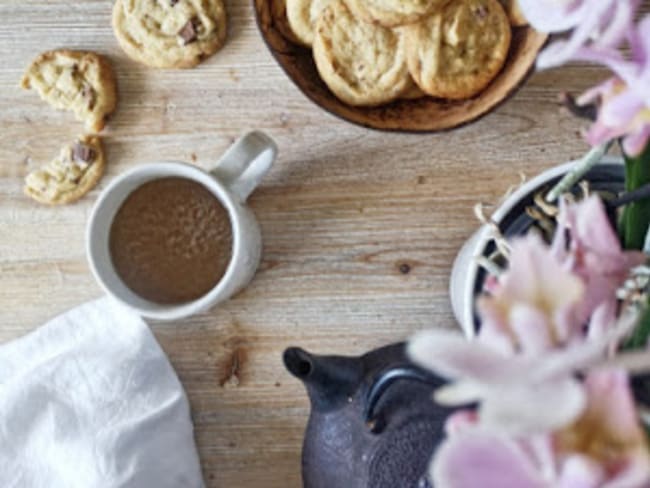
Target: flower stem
(635, 362)
(636, 215)
(630, 197)
(579, 170)
(639, 338)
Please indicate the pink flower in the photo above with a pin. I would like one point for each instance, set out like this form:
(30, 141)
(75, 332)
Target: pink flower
(604, 447)
(549, 294)
(533, 307)
(624, 99)
(551, 314)
(598, 24)
(513, 390)
(623, 113)
(608, 432)
(588, 247)
(598, 29)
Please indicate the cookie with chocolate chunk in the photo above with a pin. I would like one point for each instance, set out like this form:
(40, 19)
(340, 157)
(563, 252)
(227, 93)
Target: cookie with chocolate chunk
(170, 33)
(69, 176)
(393, 13)
(363, 64)
(456, 52)
(79, 81)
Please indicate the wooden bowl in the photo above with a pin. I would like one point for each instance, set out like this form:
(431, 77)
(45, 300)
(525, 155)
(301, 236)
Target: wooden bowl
(425, 114)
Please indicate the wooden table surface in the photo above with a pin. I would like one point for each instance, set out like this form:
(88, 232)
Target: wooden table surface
(342, 211)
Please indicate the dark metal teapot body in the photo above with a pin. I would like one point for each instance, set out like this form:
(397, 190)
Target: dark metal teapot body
(373, 423)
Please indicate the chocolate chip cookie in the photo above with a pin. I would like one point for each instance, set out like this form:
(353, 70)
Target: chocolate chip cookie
(302, 16)
(456, 52)
(393, 13)
(170, 33)
(69, 176)
(79, 81)
(363, 64)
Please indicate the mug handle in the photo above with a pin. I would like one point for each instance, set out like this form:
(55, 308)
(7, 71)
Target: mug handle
(245, 163)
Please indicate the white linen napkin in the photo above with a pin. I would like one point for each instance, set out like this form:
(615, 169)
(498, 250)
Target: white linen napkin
(90, 400)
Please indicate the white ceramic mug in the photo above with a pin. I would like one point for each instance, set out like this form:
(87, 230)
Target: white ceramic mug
(232, 180)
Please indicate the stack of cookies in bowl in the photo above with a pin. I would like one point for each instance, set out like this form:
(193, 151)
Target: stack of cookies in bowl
(372, 52)
(402, 65)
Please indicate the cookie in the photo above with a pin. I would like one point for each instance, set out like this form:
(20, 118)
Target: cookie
(280, 21)
(82, 82)
(456, 52)
(302, 16)
(393, 13)
(514, 12)
(363, 64)
(69, 176)
(413, 92)
(169, 33)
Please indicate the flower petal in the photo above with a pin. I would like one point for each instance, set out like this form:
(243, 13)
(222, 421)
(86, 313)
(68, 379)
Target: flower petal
(581, 472)
(635, 143)
(612, 403)
(636, 474)
(619, 24)
(550, 15)
(524, 409)
(460, 421)
(451, 355)
(460, 392)
(531, 328)
(479, 459)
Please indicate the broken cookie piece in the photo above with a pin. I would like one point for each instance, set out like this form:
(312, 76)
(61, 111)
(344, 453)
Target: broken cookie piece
(68, 177)
(79, 81)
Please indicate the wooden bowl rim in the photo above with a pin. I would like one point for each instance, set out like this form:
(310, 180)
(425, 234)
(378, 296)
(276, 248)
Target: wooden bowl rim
(279, 58)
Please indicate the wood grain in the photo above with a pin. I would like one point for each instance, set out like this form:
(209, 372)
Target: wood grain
(341, 210)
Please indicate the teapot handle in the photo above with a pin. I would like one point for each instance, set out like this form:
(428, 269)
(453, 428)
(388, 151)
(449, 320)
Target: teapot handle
(383, 381)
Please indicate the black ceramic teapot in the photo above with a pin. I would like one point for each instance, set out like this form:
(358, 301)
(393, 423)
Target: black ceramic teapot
(373, 423)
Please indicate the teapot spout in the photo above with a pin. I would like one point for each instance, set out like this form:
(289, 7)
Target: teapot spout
(329, 380)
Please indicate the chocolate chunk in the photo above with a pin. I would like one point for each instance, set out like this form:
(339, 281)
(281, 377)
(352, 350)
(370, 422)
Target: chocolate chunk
(89, 94)
(173, 2)
(188, 33)
(83, 152)
(481, 12)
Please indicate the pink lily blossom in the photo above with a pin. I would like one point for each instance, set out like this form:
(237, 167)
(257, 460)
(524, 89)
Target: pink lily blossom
(513, 389)
(586, 245)
(598, 28)
(549, 294)
(533, 307)
(604, 447)
(624, 100)
(552, 313)
(599, 25)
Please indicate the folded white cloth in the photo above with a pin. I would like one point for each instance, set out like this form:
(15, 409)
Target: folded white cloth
(90, 400)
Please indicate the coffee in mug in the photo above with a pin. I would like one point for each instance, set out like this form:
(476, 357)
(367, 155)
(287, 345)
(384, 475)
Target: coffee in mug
(171, 240)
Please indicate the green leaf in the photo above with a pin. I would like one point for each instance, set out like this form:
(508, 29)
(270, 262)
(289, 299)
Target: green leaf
(639, 338)
(633, 225)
